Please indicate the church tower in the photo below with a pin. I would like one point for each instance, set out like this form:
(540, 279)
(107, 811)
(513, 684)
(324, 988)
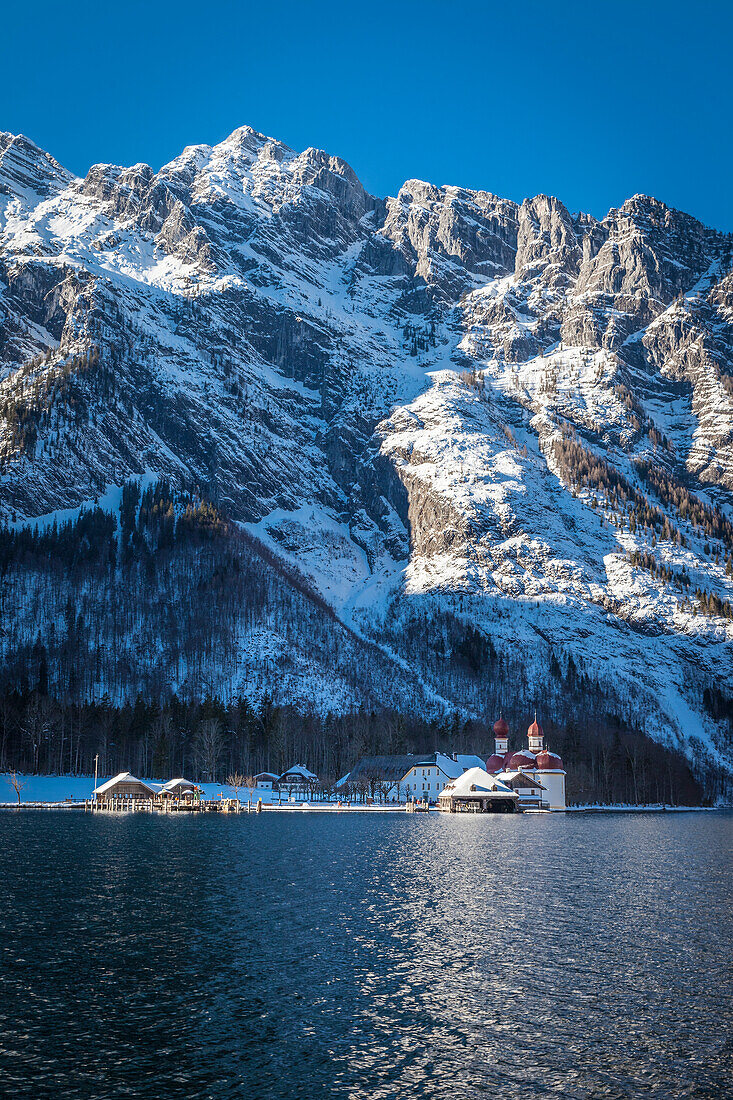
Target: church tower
(501, 737)
(495, 763)
(536, 736)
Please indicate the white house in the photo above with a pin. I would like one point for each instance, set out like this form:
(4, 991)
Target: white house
(409, 776)
(428, 775)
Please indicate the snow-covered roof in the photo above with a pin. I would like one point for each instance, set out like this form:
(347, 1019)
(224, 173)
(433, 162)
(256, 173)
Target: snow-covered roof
(123, 777)
(469, 761)
(477, 782)
(267, 775)
(510, 776)
(448, 765)
(450, 768)
(299, 770)
(176, 784)
(388, 769)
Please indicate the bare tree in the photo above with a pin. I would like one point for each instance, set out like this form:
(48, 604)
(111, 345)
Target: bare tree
(37, 725)
(209, 747)
(16, 783)
(236, 781)
(251, 784)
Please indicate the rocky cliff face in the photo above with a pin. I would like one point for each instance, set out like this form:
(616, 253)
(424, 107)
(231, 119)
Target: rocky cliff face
(442, 406)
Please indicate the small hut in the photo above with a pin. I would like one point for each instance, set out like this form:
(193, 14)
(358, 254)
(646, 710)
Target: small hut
(477, 792)
(266, 780)
(178, 789)
(124, 785)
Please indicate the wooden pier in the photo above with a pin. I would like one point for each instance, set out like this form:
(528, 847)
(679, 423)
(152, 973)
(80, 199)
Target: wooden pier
(167, 806)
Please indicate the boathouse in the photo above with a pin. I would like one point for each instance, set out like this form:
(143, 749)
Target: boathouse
(178, 788)
(124, 785)
(477, 792)
(532, 793)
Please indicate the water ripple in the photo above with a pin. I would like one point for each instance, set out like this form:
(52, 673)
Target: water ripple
(366, 956)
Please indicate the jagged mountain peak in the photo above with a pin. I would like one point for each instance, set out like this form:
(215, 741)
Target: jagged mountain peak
(452, 412)
(26, 170)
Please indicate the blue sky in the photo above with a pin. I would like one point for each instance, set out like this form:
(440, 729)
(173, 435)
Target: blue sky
(590, 102)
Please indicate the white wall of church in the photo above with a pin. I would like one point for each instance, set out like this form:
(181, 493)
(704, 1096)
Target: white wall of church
(554, 782)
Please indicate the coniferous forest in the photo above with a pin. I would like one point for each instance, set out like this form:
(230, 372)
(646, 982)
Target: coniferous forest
(117, 628)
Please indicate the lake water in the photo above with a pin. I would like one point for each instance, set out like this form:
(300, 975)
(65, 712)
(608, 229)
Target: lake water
(355, 955)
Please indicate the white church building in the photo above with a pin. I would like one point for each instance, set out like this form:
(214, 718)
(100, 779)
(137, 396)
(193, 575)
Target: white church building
(544, 769)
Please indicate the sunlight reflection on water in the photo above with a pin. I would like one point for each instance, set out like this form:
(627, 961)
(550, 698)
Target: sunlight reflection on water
(366, 955)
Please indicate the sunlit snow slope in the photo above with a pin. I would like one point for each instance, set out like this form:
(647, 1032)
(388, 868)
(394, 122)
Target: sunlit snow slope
(449, 411)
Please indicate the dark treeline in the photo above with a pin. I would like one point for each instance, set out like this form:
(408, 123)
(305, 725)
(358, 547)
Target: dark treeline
(209, 740)
(585, 469)
(168, 604)
(170, 597)
(709, 521)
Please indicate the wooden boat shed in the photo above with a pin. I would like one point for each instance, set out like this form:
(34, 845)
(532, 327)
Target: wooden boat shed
(477, 792)
(178, 788)
(124, 785)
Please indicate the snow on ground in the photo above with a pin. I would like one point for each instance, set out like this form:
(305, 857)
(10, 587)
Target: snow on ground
(109, 501)
(60, 788)
(57, 789)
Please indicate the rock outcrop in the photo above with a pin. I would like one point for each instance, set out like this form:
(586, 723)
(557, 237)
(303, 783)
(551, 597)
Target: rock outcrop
(443, 403)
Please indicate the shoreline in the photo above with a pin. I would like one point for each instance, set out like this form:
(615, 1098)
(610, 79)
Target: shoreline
(327, 807)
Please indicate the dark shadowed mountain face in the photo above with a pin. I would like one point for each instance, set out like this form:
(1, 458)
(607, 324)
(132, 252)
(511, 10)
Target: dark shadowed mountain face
(495, 441)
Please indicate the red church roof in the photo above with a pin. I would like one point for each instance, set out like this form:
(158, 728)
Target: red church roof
(535, 730)
(522, 759)
(549, 761)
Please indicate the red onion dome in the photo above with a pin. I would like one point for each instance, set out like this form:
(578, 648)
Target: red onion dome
(523, 759)
(494, 764)
(549, 761)
(508, 758)
(535, 730)
(501, 729)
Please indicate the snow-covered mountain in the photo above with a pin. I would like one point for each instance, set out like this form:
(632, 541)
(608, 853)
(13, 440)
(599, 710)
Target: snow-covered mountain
(457, 417)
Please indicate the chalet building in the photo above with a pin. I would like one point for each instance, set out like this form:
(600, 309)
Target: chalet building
(297, 780)
(477, 792)
(532, 793)
(124, 785)
(535, 762)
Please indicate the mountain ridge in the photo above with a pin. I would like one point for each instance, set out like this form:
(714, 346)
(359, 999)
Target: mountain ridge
(430, 400)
